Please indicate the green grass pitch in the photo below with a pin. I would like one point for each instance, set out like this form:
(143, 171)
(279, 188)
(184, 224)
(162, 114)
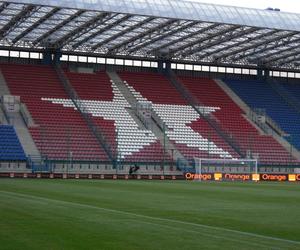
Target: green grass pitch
(108, 214)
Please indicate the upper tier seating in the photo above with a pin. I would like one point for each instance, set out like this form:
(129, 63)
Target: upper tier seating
(109, 110)
(10, 146)
(62, 132)
(193, 136)
(231, 118)
(259, 94)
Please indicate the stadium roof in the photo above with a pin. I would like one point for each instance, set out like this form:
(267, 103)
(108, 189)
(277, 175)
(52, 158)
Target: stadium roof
(179, 30)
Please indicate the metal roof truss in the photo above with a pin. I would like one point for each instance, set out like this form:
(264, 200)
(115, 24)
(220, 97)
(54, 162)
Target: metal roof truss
(117, 34)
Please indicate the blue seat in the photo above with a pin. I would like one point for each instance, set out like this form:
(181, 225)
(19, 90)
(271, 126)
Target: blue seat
(10, 146)
(259, 94)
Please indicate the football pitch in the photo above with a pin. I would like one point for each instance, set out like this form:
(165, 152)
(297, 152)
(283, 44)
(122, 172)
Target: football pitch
(118, 214)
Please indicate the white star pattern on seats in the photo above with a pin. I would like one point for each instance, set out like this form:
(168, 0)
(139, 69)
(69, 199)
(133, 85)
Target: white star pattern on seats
(177, 118)
(131, 139)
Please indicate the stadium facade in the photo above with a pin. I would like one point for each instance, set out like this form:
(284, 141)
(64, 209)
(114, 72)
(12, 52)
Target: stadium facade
(102, 87)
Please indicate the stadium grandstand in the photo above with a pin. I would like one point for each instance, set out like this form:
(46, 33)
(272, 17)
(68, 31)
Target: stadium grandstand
(107, 86)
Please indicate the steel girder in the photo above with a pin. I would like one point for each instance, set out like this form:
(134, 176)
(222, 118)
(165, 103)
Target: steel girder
(132, 39)
(40, 26)
(26, 11)
(98, 32)
(57, 27)
(224, 36)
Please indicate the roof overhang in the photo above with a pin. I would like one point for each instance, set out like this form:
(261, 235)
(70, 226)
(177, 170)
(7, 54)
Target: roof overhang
(174, 30)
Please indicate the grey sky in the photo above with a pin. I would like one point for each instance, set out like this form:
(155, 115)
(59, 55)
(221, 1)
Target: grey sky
(286, 5)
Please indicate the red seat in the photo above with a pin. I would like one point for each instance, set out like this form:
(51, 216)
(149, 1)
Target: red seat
(231, 119)
(61, 130)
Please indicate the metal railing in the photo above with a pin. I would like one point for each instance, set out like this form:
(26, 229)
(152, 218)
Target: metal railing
(2, 116)
(26, 115)
(293, 139)
(5, 115)
(269, 126)
(212, 121)
(39, 164)
(100, 136)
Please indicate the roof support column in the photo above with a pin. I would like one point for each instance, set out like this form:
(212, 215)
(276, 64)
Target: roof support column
(263, 74)
(51, 56)
(260, 74)
(160, 67)
(164, 65)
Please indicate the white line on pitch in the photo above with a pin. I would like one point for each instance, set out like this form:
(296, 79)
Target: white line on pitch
(155, 218)
(260, 244)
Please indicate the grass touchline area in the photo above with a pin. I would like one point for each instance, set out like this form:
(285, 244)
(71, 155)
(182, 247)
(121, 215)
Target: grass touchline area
(179, 215)
(149, 217)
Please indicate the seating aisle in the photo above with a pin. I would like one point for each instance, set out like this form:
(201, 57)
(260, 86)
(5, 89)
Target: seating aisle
(192, 140)
(109, 110)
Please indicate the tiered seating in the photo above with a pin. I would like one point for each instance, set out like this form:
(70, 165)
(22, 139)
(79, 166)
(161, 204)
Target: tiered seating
(231, 119)
(258, 94)
(292, 88)
(95, 87)
(294, 128)
(108, 108)
(180, 118)
(62, 131)
(10, 147)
